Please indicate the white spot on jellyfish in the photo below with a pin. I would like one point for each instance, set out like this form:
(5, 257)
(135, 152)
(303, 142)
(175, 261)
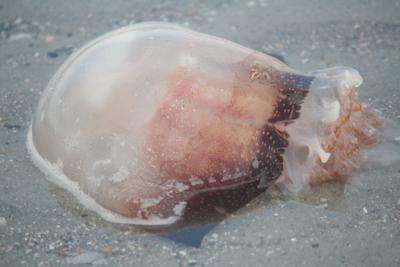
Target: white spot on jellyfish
(255, 164)
(179, 208)
(195, 181)
(211, 180)
(322, 154)
(120, 176)
(101, 162)
(331, 110)
(178, 186)
(97, 98)
(187, 60)
(150, 202)
(232, 176)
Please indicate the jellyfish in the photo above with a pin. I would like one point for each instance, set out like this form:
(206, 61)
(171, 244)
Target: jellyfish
(141, 120)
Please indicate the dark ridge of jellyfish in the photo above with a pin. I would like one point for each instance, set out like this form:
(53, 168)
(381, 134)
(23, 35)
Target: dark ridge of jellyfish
(141, 122)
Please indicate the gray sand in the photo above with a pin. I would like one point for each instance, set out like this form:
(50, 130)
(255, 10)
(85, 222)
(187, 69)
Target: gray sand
(352, 225)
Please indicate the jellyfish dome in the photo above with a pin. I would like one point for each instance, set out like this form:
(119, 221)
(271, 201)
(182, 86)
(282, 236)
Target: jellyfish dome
(142, 119)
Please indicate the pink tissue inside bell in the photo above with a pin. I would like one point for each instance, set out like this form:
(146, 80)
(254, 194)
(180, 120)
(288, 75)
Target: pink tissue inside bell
(206, 128)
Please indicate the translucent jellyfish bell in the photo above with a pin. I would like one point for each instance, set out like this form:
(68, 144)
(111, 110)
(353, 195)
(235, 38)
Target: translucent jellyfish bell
(139, 121)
